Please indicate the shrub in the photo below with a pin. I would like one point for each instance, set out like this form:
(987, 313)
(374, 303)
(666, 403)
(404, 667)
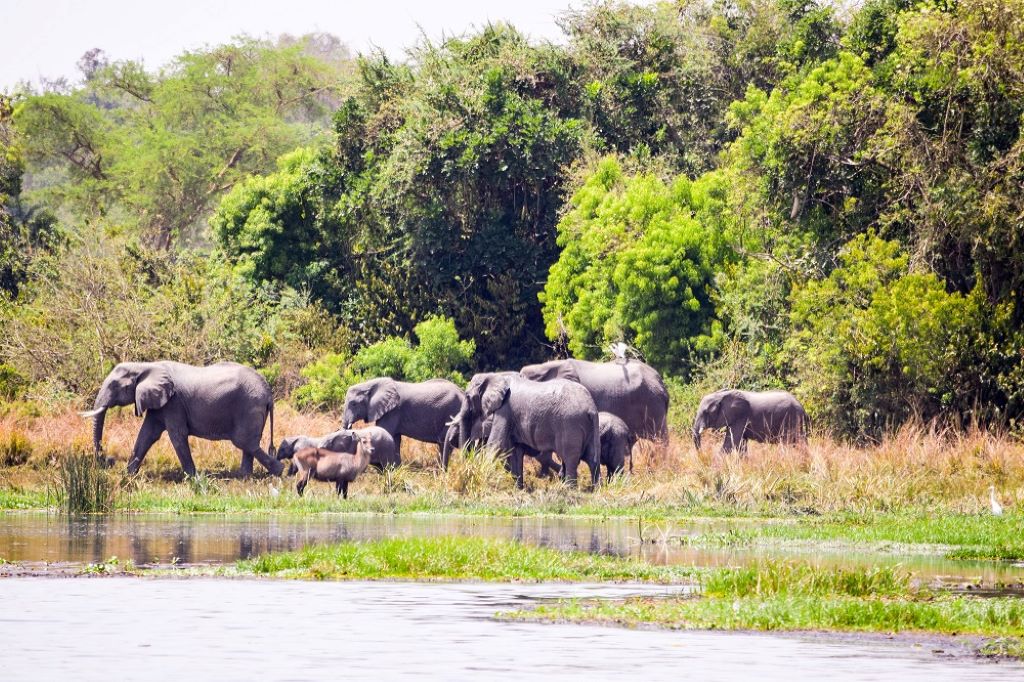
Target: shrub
(82, 485)
(96, 304)
(15, 449)
(327, 381)
(12, 384)
(438, 353)
(636, 265)
(874, 344)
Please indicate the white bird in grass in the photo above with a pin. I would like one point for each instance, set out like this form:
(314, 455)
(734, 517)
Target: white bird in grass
(274, 492)
(997, 509)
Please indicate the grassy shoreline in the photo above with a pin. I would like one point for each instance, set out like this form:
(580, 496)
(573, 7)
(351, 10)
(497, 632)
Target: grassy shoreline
(768, 595)
(791, 596)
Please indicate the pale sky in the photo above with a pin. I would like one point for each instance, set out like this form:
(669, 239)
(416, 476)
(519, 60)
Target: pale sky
(45, 38)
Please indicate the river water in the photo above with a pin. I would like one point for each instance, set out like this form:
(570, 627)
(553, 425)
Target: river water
(206, 629)
(162, 539)
(201, 628)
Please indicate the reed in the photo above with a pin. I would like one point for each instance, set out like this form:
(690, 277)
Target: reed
(82, 485)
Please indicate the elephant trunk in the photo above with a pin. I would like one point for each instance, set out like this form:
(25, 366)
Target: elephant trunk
(98, 417)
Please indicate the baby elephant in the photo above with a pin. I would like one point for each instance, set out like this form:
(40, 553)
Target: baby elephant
(617, 441)
(385, 453)
(328, 465)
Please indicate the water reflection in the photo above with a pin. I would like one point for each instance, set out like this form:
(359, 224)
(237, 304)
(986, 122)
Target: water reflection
(212, 539)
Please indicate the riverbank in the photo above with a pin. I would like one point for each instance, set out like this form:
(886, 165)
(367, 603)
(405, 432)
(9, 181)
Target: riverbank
(797, 596)
(766, 595)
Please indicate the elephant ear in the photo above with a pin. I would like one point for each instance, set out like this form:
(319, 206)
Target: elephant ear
(154, 391)
(495, 395)
(383, 399)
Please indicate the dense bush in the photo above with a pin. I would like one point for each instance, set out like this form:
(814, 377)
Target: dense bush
(874, 344)
(637, 264)
(438, 353)
(756, 194)
(89, 307)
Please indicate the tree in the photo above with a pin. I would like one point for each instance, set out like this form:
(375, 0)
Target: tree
(157, 150)
(637, 264)
(441, 191)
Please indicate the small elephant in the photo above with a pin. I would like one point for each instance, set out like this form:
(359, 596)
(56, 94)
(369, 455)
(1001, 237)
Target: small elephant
(617, 443)
(528, 415)
(420, 411)
(341, 468)
(225, 401)
(630, 389)
(344, 440)
(765, 417)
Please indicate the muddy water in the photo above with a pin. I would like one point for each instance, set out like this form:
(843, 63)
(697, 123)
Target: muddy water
(203, 539)
(279, 630)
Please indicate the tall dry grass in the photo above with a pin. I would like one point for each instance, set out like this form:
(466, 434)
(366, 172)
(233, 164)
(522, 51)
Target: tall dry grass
(919, 467)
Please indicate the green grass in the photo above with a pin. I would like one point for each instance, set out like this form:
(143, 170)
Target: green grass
(454, 558)
(965, 536)
(82, 486)
(785, 595)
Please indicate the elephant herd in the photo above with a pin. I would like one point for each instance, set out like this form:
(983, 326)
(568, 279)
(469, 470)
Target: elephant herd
(585, 412)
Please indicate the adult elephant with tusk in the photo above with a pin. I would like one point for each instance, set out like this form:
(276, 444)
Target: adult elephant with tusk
(420, 411)
(765, 417)
(225, 401)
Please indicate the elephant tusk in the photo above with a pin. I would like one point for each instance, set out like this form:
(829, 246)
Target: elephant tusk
(90, 413)
(453, 422)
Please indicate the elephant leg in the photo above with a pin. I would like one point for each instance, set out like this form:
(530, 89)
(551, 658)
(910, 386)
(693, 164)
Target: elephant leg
(344, 490)
(514, 462)
(148, 435)
(570, 470)
(179, 439)
(549, 468)
(269, 463)
(447, 446)
(245, 468)
(730, 442)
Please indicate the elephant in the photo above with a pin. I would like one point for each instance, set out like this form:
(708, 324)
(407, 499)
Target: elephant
(478, 434)
(555, 415)
(345, 440)
(766, 417)
(225, 401)
(617, 443)
(420, 411)
(629, 389)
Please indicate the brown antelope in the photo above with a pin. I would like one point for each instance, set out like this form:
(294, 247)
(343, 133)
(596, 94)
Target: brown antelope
(327, 465)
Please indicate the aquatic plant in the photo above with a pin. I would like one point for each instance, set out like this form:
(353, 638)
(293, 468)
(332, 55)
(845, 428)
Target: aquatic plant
(454, 558)
(82, 485)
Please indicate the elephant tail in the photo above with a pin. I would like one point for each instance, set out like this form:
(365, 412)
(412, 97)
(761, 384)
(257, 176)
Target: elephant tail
(272, 451)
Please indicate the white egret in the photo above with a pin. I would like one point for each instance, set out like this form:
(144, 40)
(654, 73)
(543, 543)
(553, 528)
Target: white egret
(997, 509)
